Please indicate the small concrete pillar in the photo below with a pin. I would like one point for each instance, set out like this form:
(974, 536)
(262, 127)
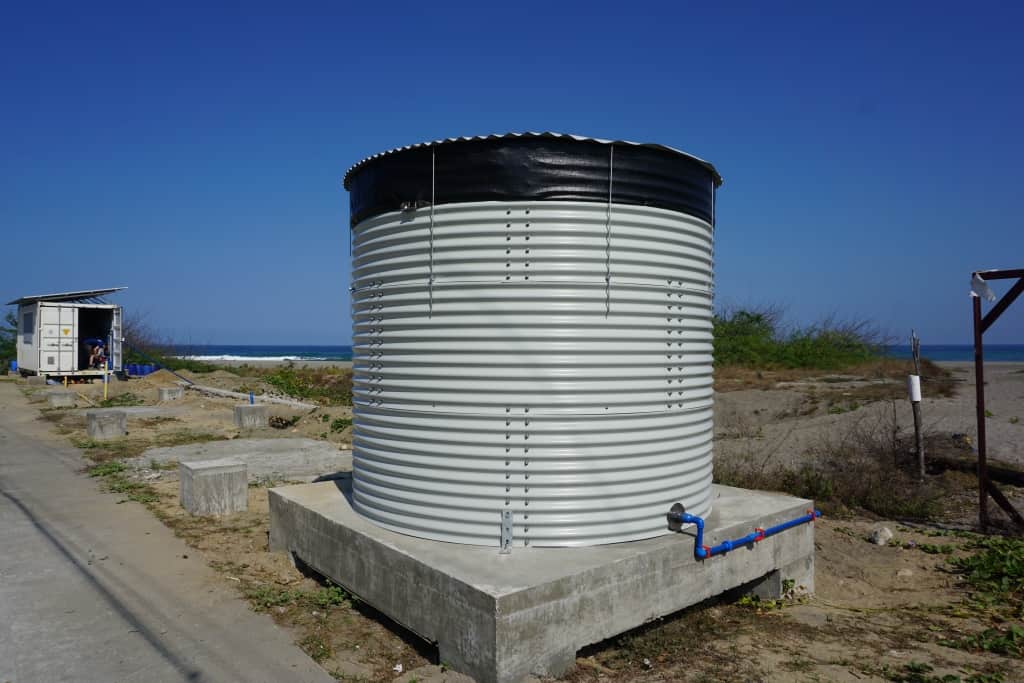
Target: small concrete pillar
(796, 578)
(170, 393)
(106, 424)
(61, 399)
(214, 487)
(249, 416)
(36, 380)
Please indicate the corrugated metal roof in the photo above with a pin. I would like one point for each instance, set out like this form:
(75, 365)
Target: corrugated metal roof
(85, 296)
(546, 134)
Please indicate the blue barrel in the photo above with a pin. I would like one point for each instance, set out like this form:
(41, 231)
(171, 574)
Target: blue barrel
(14, 366)
(147, 369)
(133, 369)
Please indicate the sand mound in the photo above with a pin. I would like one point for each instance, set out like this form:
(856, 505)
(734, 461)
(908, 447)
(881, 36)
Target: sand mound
(162, 378)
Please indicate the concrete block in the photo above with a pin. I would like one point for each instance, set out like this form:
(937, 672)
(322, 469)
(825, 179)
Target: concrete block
(796, 578)
(170, 393)
(106, 424)
(249, 416)
(214, 487)
(502, 618)
(36, 380)
(59, 398)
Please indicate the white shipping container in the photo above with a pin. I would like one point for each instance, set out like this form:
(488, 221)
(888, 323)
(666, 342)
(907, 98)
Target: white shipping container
(54, 331)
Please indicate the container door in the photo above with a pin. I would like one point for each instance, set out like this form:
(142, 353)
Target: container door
(115, 340)
(68, 339)
(49, 339)
(28, 338)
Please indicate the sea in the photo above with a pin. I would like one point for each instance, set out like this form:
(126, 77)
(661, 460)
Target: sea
(238, 352)
(243, 352)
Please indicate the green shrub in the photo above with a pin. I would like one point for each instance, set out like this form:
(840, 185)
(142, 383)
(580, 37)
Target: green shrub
(107, 468)
(328, 385)
(1007, 641)
(265, 596)
(996, 573)
(754, 338)
(8, 338)
(121, 401)
(196, 366)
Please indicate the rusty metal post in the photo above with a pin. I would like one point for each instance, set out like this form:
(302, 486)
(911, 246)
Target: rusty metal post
(979, 382)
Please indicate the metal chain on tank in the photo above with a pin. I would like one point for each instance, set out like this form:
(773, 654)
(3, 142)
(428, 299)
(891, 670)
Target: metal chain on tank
(433, 191)
(608, 235)
(714, 219)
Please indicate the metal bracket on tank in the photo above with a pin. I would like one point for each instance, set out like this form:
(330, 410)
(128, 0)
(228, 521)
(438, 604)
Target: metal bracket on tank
(413, 205)
(506, 532)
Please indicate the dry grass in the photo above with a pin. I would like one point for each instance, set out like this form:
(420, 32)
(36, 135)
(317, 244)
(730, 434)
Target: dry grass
(658, 649)
(64, 421)
(887, 378)
(130, 447)
(348, 638)
(864, 467)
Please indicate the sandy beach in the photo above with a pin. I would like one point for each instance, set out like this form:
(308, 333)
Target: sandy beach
(787, 425)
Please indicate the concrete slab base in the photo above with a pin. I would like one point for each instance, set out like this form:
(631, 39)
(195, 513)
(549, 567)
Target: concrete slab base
(213, 487)
(170, 393)
(250, 416)
(106, 424)
(59, 398)
(143, 411)
(266, 459)
(502, 618)
(36, 380)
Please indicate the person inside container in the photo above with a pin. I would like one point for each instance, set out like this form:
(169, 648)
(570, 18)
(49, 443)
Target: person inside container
(96, 355)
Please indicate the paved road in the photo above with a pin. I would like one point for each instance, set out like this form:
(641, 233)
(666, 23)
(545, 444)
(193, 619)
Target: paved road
(91, 590)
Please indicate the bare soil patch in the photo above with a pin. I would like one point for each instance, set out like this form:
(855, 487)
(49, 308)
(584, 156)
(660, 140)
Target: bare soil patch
(898, 612)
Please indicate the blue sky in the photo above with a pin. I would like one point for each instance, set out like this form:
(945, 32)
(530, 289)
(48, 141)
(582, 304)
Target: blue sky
(872, 152)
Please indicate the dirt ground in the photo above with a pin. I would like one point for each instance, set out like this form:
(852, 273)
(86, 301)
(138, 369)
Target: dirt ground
(199, 415)
(880, 613)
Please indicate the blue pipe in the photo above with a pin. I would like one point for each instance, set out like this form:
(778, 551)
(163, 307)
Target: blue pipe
(702, 552)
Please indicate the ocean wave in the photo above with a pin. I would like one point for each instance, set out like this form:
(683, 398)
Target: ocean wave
(296, 359)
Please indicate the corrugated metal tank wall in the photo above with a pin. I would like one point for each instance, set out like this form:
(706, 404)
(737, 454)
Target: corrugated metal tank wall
(497, 367)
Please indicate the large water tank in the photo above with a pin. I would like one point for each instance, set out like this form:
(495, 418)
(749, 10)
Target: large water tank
(532, 333)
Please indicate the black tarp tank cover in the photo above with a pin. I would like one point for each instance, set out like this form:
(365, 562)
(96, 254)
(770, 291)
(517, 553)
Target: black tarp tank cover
(531, 167)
